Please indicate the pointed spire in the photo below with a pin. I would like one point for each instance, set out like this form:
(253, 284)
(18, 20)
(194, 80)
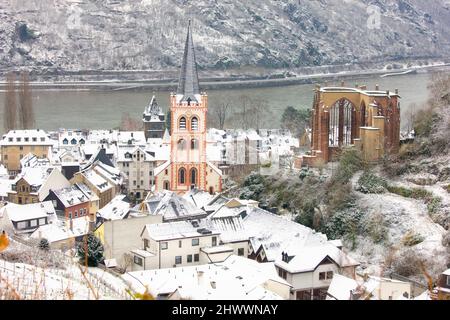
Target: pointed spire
(188, 83)
(153, 108)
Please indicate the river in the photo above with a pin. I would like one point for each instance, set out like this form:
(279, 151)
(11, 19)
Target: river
(103, 109)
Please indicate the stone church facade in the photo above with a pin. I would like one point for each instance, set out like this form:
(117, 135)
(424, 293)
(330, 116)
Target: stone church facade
(341, 117)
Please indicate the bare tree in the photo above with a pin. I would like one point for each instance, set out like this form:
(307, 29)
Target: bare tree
(10, 108)
(221, 112)
(129, 124)
(243, 117)
(260, 111)
(27, 119)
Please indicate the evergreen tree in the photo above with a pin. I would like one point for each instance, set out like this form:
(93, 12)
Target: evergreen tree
(295, 120)
(94, 248)
(44, 244)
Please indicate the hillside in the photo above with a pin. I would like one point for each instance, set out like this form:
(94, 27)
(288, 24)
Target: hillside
(149, 34)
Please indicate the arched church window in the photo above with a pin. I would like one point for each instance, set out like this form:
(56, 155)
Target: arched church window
(193, 176)
(194, 124)
(181, 144)
(182, 124)
(194, 144)
(340, 126)
(182, 176)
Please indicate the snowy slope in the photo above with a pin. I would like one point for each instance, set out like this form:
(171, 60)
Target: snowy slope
(149, 34)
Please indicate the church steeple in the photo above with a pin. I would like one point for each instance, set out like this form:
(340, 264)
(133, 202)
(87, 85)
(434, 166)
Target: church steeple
(188, 86)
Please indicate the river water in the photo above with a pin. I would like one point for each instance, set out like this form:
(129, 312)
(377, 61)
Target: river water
(103, 109)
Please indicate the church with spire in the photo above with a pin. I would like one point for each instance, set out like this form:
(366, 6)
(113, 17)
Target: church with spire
(188, 166)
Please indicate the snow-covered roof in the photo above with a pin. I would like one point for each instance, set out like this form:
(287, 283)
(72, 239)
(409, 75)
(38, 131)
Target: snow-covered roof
(309, 257)
(177, 230)
(5, 187)
(262, 228)
(217, 249)
(26, 137)
(3, 170)
(71, 196)
(30, 211)
(236, 278)
(125, 154)
(198, 197)
(172, 206)
(31, 160)
(116, 209)
(161, 167)
(35, 176)
(87, 192)
(131, 137)
(446, 272)
(61, 230)
(97, 180)
(341, 287)
(112, 174)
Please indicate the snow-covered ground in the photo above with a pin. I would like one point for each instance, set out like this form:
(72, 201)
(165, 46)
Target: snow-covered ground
(68, 281)
(401, 215)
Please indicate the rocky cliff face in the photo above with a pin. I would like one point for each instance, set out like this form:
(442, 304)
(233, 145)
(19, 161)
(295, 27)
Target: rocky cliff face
(149, 34)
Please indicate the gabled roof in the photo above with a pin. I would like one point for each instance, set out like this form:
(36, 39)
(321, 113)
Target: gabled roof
(117, 209)
(235, 278)
(308, 258)
(172, 206)
(176, 230)
(30, 211)
(188, 83)
(71, 196)
(153, 109)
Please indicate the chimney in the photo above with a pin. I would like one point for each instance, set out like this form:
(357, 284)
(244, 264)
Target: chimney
(387, 92)
(377, 87)
(396, 91)
(91, 222)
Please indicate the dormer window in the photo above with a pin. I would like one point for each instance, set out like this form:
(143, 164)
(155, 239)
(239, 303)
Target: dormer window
(18, 139)
(34, 139)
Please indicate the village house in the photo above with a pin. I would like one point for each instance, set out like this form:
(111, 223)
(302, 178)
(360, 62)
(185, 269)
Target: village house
(71, 138)
(26, 218)
(103, 180)
(176, 244)
(311, 269)
(442, 289)
(120, 231)
(368, 288)
(63, 235)
(138, 167)
(33, 184)
(17, 143)
(234, 278)
(70, 203)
